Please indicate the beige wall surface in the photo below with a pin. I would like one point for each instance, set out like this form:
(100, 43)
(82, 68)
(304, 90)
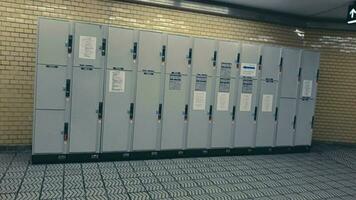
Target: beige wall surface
(336, 104)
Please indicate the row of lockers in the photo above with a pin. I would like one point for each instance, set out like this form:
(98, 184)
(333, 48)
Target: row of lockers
(110, 89)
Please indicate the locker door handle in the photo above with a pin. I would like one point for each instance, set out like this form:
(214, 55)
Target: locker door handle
(233, 113)
(255, 114)
(238, 58)
(131, 110)
(163, 53)
(281, 65)
(299, 74)
(134, 51)
(294, 121)
(317, 76)
(100, 110)
(103, 47)
(210, 112)
(312, 123)
(190, 56)
(160, 111)
(276, 114)
(214, 58)
(186, 112)
(67, 88)
(70, 43)
(65, 131)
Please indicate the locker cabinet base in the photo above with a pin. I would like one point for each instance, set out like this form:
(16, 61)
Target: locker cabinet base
(145, 155)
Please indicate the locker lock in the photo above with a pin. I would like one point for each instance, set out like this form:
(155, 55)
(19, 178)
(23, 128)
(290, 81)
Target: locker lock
(210, 113)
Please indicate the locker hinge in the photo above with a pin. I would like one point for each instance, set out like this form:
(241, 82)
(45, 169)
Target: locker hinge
(233, 113)
(100, 110)
(238, 60)
(70, 43)
(260, 63)
(131, 112)
(163, 53)
(186, 112)
(312, 123)
(281, 65)
(317, 76)
(67, 88)
(210, 112)
(134, 51)
(190, 56)
(299, 74)
(255, 114)
(65, 131)
(160, 111)
(276, 114)
(294, 121)
(103, 47)
(214, 58)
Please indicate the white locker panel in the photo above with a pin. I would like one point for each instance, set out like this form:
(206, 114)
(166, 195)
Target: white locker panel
(149, 51)
(228, 52)
(286, 122)
(86, 98)
(53, 36)
(120, 48)
(203, 56)
(178, 48)
(271, 59)
(309, 74)
(304, 126)
(289, 75)
(49, 127)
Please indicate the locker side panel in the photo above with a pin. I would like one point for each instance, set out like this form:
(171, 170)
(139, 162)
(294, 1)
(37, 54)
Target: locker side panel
(271, 59)
(304, 128)
(120, 44)
(286, 123)
(266, 123)
(203, 53)
(49, 127)
(198, 125)
(118, 97)
(50, 87)
(87, 44)
(52, 33)
(290, 70)
(149, 54)
(86, 93)
(222, 116)
(146, 111)
(245, 116)
(173, 112)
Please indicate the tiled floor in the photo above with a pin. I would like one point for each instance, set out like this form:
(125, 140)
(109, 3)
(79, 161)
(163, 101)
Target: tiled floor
(329, 172)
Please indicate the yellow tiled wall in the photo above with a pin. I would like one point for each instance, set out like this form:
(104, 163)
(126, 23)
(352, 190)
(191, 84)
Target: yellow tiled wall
(336, 107)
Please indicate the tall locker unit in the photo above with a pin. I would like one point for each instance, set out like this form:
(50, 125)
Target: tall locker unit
(246, 115)
(224, 106)
(119, 90)
(87, 86)
(307, 98)
(288, 92)
(176, 92)
(52, 90)
(268, 95)
(148, 102)
(200, 106)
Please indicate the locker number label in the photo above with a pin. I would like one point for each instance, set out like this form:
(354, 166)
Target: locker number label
(87, 47)
(199, 100)
(245, 102)
(267, 103)
(307, 88)
(117, 81)
(248, 70)
(223, 101)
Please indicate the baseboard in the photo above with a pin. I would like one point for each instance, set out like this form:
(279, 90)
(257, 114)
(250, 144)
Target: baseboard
(15, 148)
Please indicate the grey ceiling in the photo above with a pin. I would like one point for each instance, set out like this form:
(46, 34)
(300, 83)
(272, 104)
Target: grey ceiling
(335, 9)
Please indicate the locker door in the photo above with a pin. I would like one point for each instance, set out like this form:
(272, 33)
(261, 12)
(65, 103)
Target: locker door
(304, 129)
(203, 55)
(177, 53)
(174, 111)
(118, 110)
(223, 108)
(52, 39)
(266, 123)
(50, 87)
(146, 111)
(246, 113)
(49, 126)
(120, 45)
(86, 95)
(290, 69)
(198, 125)
(309, 65)
(227, 53)
(87, 43)
(149, 54)
(286, 122)
(271, 58)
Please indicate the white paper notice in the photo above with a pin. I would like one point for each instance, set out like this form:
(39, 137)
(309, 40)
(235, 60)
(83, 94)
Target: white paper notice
(199, 100)
(117, 81)
(307, 88)
(267, 103)
(223, 101)
(87, 47)
(245, 102)
(248, 69)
